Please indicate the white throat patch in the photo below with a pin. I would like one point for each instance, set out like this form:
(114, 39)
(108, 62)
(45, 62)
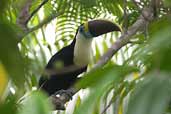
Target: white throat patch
(82, 50)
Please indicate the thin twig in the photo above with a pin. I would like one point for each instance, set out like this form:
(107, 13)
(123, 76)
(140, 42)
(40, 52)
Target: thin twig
(105, 109)
(23, 15)
(35, 11)
(125, 16)
(114, 98)
(41, 24)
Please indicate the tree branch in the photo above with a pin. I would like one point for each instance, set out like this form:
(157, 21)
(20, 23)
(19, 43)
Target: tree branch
(144, 18)
(41, 24)
(125, 16)
(24, 15)
(35, 11)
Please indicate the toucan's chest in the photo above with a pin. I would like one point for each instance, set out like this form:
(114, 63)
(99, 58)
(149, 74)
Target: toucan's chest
(82, 50)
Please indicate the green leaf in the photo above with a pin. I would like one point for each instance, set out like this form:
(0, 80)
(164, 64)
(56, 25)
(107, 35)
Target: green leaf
(156, 52)
(9, 106)
(167, 3)
(99, 82)
(3, 6)
(152, 95)
(10, 56)
(36, 103)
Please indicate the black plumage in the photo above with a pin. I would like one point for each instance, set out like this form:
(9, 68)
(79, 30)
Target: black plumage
(63, 81)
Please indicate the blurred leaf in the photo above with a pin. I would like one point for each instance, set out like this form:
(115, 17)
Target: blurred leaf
(153, 54)
(36, 103)
(152, 95)
(9, 107)
(33, 81)
(167, 3)
(9, 53)
(3, 80)
(3, 5)
(78, 103)
(98, 77)
(160, 52)
(99, 81)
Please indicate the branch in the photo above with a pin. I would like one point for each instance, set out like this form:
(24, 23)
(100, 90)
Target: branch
(24, 15)
(41, 24)
(35, 11)
(144, 19)
(125, 16)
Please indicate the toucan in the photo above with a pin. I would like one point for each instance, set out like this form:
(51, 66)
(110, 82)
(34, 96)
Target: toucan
(74, 57)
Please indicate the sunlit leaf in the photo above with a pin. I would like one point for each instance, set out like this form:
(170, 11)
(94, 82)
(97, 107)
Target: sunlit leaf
(3, 80)
(9, 53)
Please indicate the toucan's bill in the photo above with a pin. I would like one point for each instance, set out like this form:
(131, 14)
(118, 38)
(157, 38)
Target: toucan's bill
(96, 28)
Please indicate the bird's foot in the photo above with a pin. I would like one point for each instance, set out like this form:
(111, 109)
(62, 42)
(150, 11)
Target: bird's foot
(67, 93)
(60, 98)
(57, 102)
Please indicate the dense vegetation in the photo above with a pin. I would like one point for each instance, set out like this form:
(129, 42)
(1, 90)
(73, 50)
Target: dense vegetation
(135, 80)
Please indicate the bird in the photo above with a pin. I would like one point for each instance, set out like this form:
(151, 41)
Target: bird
(72, 60)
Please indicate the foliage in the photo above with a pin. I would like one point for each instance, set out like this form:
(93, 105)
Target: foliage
(135, 81)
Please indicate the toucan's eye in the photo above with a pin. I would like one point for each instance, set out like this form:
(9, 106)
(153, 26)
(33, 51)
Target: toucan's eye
(84, 31)
(81, 29)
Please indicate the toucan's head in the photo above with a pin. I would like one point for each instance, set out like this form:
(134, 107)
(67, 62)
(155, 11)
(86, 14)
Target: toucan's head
(96, 28)
(86, 32)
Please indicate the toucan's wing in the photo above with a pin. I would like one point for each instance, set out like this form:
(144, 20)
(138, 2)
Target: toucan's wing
(63, 57)
(60, 78)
